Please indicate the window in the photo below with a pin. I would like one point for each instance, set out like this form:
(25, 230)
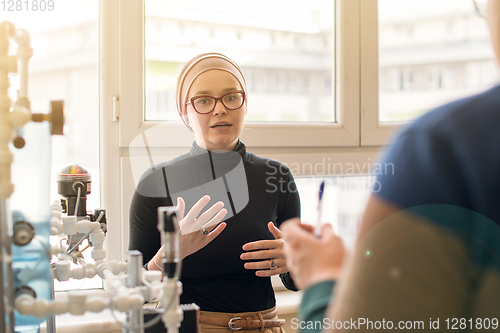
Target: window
(246, 35)
(130, 141)
(64, 67)
(428, 54)
(442, 41)
(346, 197)
(263, 43)
(388, 66)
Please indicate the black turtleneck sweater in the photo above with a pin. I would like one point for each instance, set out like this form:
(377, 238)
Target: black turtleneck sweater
(255, 190)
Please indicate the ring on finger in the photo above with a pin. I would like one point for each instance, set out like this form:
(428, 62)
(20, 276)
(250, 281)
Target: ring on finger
(272, 264)
(205, 232)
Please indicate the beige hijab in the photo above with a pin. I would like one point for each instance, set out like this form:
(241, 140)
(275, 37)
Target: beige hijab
(198, 65)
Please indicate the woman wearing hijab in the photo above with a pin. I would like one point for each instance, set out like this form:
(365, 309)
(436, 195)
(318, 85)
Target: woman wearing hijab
(227, 265)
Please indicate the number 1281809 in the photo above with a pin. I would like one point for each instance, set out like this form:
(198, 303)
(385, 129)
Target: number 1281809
(27, 5)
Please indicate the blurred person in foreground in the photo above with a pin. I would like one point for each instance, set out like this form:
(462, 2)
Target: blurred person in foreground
(428, 252)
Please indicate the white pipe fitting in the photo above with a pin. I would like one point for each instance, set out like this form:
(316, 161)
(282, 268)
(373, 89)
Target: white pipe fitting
(69, 223)
(27, 305)
(57, 249)
(77, 304)
(95, 304)
(20, 117)
(123, 299)
(155, 286)
(113, 267)
(85, 226)
(97, 237)
(6, 159)
(8, 120)
(24, 53)
(56, 226)
(152, 276)
(174, 315)
(98, 254)
(127, 300)
(117, 267)
(64, 271)
(82, 272)
(104, 271)
(90, 270)
(97, 240)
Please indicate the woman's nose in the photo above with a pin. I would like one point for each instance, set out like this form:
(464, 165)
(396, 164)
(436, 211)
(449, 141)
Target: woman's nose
(219, 108)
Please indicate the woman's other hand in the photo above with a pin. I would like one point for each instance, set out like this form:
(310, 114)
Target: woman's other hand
(273, 260)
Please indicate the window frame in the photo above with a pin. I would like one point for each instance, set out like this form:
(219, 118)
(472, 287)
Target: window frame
(373, 132)
(109, 154)
(357, 137)
(343, 133)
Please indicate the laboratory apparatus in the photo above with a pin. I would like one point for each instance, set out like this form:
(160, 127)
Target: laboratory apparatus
(25, 213)
(28, 262)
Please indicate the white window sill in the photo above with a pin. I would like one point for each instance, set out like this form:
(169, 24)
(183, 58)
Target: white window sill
(287, 302)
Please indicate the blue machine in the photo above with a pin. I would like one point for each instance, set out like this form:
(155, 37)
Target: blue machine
(30, 207)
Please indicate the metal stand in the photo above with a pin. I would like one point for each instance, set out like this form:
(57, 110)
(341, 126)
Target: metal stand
(51, 320)
(135, 317)
(8, 64)
(7, 283)
(3, 303)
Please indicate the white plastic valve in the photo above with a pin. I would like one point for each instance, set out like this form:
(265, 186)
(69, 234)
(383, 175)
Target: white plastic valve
(20, 116)
(174, 315)
(127, 301)
(86, 226)
(56, 249)
(153, 276)
(90, 270)
(55, 218)
(69, 223)
(97, 240)
(98, 254)
(117, 266)
(77, 303)
(63, 270)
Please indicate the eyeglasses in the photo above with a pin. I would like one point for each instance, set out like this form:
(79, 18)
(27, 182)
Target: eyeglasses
(480, 6)
(233, 100)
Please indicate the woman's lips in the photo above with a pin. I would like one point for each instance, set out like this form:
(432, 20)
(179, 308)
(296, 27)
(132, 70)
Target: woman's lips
(222, 128)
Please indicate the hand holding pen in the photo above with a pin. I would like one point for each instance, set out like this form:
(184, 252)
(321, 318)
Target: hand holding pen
(313, 254)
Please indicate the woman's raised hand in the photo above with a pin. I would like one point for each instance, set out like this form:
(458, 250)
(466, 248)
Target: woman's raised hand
(196, 231)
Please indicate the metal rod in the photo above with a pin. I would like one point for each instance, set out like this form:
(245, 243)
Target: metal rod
(134, 271)
(3, 324)
(8, 282)
(51, 321)
(79, 242)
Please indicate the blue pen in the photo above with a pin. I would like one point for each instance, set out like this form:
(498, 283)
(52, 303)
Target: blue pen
(317, 229)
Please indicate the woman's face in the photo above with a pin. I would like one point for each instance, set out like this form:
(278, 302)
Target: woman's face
(208, 135)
